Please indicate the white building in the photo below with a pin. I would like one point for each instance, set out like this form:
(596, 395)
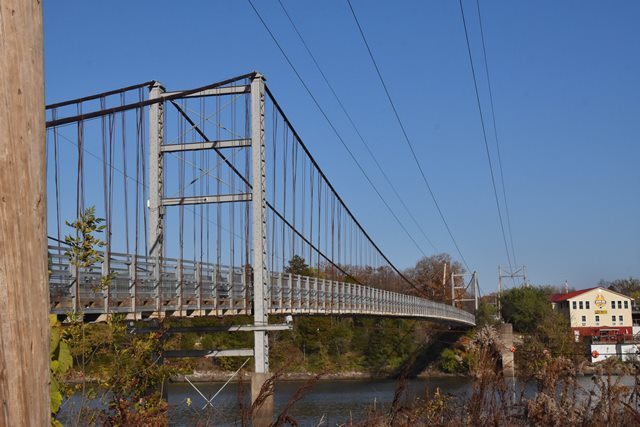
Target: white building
(599, 313)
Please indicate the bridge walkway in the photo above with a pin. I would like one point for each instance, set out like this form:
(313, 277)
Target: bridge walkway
(191, 288)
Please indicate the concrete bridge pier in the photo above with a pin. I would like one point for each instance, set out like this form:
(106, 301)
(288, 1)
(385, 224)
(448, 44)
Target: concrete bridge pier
(505, 332)
(263, 416)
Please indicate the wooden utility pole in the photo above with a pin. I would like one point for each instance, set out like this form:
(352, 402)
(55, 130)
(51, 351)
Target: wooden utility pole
(24, 295)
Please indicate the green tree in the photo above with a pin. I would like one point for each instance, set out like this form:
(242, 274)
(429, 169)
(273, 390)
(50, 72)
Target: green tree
(84, 245)
(554, 331)
(339, 337)
(298, 265)
(131, 369)
(487, 314)
(451, 362)
(525, 307)
(127, 366)
(551, 338)
(379, 349)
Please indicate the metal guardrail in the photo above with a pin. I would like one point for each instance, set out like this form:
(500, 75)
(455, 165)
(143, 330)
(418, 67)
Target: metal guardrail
(188, 287)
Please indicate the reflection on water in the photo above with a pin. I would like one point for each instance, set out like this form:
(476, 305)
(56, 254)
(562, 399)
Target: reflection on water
(334, 402)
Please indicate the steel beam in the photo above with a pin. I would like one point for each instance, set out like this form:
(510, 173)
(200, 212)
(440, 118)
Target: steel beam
(214, 329)
(240, 352)
(156, 186)
(148, 102)
(261, 299)
(197, 200)
(206, 145)
(229, 90)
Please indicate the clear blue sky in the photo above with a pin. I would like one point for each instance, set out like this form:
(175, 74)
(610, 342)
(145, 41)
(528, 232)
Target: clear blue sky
(566, 87)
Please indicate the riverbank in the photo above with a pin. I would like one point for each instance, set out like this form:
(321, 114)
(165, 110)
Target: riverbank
(215, 376)
(205, 376)
(621, 369)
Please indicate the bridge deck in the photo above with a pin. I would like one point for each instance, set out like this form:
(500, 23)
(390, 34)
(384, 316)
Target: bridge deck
(192, 288)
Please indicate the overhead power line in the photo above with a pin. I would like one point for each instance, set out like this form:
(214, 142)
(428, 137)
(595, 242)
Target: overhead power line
(484, 135)
(495, 133)
(355, 128)
(334, 129)
(406, 137)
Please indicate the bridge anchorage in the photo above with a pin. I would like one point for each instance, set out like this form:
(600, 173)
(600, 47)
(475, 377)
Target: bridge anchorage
(212, 205)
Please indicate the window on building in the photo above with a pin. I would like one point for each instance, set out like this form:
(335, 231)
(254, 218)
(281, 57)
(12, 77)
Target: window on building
(619, 304)
(584, 320)
(586, 305)
(626, 304)
(597, 320)
(613, 304)
(581, 305)
(613, 319)
(620, 319)
(574, 305)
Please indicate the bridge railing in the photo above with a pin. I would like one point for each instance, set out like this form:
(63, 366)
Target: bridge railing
(300, 294)
(187, 286)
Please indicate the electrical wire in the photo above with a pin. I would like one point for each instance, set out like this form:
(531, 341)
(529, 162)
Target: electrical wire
(406, 137)
(495, 133)
(353, 125)
(243, 178)
(484, 135)
(324, 114)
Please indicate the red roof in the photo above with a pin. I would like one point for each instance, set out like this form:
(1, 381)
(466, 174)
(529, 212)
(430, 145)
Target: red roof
(562, 297)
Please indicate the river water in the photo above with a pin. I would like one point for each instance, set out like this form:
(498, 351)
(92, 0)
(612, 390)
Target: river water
(333, 402)
(328, 403)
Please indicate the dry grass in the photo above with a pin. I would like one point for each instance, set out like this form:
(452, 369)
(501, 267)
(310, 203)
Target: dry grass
(559, 400)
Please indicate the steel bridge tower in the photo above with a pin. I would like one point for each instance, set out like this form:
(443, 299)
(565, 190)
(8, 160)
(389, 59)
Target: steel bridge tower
(158, 204)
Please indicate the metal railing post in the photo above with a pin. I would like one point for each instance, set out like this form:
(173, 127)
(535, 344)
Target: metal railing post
(104, 271)
(198, 280)
(133, 286)
(179, 285)
(214, 282)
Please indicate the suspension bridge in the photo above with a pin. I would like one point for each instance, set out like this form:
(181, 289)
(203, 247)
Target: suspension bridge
(209, 204)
